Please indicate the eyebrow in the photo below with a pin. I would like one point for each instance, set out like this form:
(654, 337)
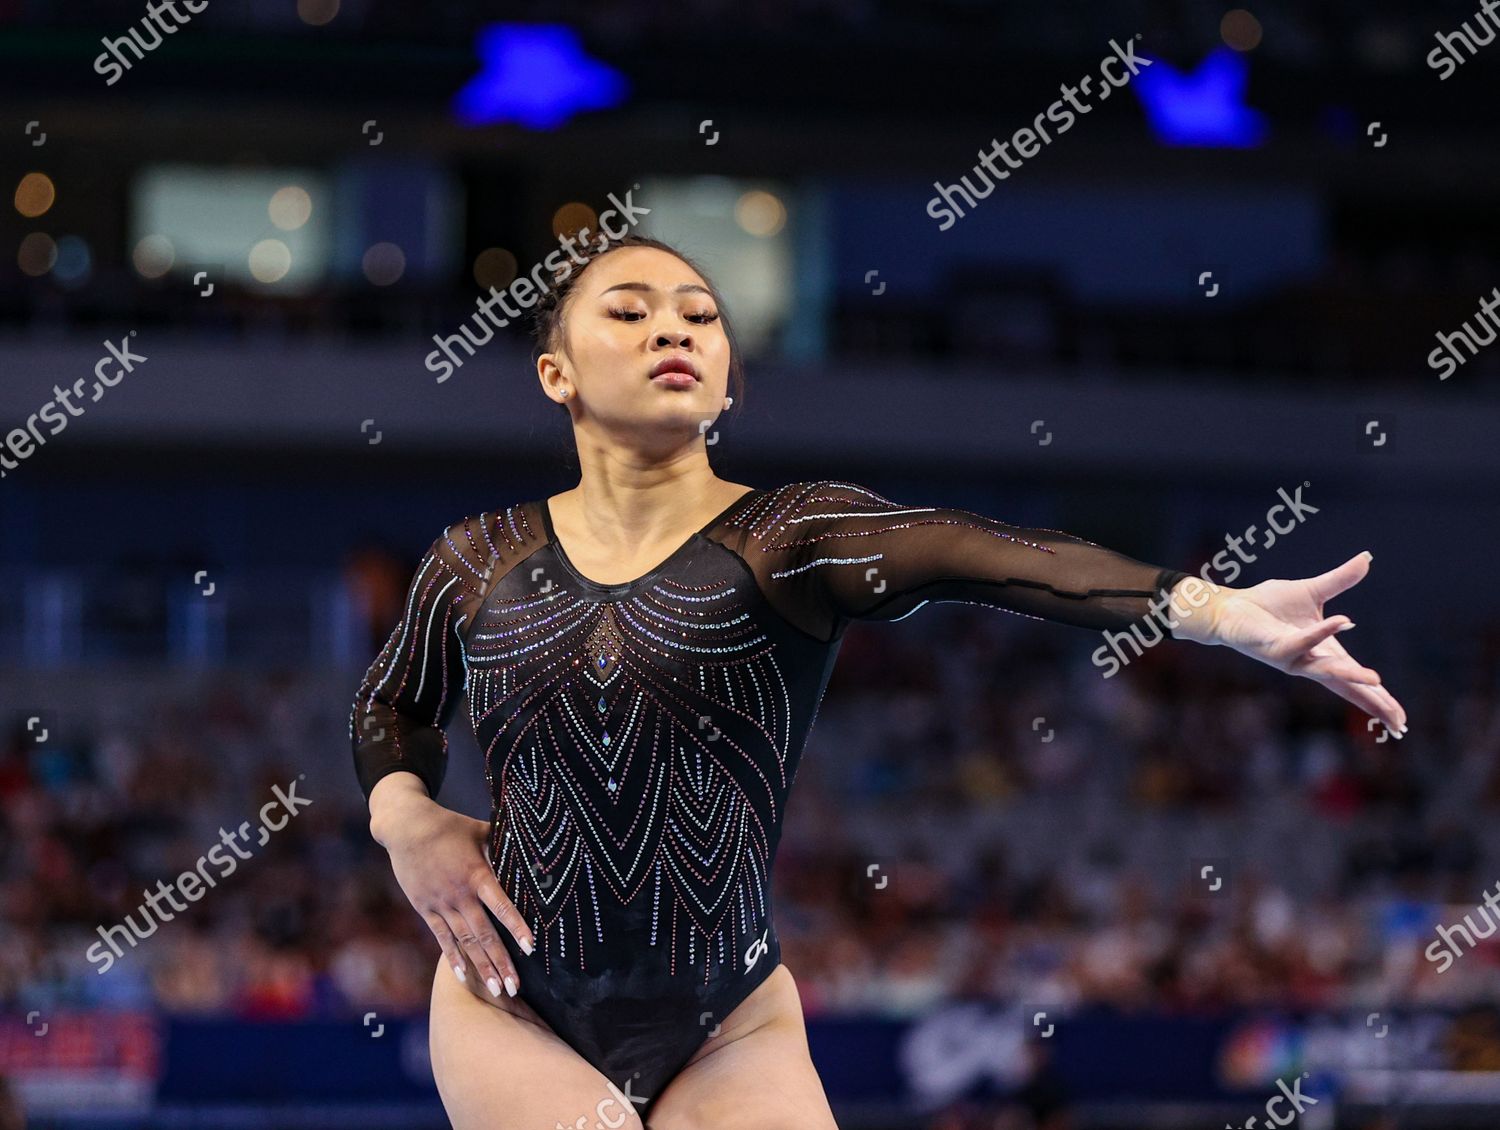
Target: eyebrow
(683, 288)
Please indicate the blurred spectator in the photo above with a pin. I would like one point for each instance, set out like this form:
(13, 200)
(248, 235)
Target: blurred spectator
(1017, 866)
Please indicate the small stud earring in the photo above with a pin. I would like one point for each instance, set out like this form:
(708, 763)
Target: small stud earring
(728, 403)
(564, 394)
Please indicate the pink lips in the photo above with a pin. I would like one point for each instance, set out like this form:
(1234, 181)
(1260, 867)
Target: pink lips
(678, 372)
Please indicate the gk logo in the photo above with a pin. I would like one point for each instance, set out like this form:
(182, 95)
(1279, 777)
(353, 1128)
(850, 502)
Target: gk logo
(752, 955)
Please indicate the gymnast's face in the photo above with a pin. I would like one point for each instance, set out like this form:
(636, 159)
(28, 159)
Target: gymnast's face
(630, 311)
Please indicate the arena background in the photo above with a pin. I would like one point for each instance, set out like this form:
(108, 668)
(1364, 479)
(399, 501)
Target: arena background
(1015, 893)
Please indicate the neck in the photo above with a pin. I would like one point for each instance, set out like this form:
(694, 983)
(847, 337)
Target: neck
(623, 502)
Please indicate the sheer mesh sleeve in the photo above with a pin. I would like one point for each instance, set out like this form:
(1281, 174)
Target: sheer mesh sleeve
(410, 691)
(832, 552)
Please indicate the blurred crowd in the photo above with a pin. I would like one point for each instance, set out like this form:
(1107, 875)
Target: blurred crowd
(1198, 831)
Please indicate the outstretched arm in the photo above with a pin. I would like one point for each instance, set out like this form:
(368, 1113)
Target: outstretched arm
(864, 557)
(1281, 623)
(872, 559)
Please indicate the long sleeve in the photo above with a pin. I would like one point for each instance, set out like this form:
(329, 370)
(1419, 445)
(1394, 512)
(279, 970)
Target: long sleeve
(836, 552)
(410, 691)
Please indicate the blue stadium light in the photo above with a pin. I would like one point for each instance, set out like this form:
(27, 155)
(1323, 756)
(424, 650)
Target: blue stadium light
(1205, 107)
(538, 75)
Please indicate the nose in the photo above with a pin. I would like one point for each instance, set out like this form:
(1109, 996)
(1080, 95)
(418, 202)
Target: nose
(674, 339)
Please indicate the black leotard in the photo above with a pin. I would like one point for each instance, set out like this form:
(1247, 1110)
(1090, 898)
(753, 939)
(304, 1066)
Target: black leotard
(640, 739)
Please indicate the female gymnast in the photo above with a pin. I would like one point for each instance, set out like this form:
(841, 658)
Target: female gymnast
(643, 656)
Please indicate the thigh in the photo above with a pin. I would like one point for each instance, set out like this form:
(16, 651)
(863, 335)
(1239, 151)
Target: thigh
(499, 1067)
(755, 1075)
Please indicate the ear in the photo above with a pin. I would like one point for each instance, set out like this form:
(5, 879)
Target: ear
(550, 373)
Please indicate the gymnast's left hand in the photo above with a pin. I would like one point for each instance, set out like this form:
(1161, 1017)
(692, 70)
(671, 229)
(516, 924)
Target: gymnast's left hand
(1281, 623)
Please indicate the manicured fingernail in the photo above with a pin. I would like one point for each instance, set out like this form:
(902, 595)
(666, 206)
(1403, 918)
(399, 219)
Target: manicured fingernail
(1369, 556)
(510, 986)
(458, 971)
(526, 946)
(493, 986)
(1345, 628)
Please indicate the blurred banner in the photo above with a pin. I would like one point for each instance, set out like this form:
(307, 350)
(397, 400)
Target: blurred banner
(103, 1062)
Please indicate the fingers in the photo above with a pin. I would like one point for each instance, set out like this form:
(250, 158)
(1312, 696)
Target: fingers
(1327, 585)
(1346, 670)
(491, 894)
(447, 943)
(483, 946)
(1304, 640)
(462, 944)
(1375, 701)
(1397, 711)
(467, 936)
(1334, 663)
(1362, 697)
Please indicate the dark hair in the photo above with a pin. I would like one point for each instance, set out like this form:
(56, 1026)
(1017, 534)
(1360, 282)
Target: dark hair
(548, 330)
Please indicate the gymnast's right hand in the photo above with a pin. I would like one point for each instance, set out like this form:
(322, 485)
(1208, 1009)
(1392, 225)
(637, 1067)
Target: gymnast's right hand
(439, 859)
